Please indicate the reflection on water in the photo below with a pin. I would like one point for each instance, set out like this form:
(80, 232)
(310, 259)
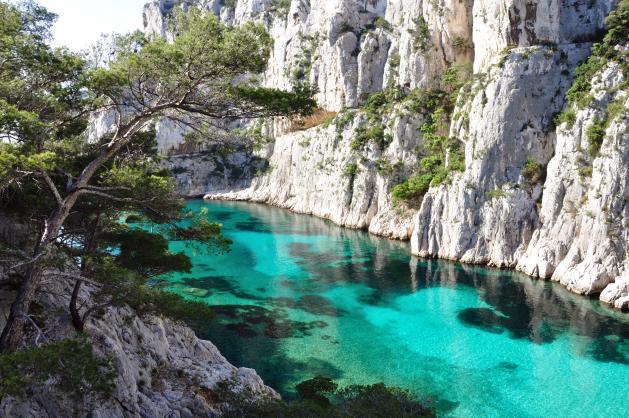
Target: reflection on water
(298, 296)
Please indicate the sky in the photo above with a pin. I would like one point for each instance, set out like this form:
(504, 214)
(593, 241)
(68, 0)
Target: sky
(81, 22)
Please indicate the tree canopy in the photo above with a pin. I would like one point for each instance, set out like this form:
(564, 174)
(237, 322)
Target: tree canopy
(73, 189)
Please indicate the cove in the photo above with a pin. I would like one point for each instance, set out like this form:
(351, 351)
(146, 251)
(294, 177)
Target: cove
(298, 296)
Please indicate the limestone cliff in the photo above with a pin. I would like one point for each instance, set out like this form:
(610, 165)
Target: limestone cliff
(561, 223)
(162, 368)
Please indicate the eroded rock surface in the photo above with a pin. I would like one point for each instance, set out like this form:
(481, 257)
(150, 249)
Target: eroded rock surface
(162, 368)
(561, 226)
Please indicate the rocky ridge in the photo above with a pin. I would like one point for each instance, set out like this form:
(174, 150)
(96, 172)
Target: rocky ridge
(162, 368)
(524, 54)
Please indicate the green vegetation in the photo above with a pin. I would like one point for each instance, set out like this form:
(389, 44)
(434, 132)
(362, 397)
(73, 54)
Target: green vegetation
(460, 43)
(344, 118)
(421, 35)
(495, 194)
(533, 171)
(595, 135)
(395, 60)
(504, 54)
(381, 22)
(302, 68)
(320, 397)
(441, 155)
(568, 116)
(74, 192)
(377, 107)
(364, 135)
(455, 77)
(281, 7)
(578, 96)
(230, 4)
(69, 365)
(351, 170)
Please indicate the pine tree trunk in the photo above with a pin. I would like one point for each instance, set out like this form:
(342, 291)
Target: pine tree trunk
(14, 329)
(77, 321)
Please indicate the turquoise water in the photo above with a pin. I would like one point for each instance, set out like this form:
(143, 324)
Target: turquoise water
(298, 296)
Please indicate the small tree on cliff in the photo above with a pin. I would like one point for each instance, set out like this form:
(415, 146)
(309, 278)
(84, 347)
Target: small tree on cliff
(69, 187)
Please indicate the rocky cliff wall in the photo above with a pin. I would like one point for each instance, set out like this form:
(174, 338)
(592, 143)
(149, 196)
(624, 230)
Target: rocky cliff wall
(523, 54)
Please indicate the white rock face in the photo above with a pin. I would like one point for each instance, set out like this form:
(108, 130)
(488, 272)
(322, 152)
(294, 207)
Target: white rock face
(163, 369)
(317, 172)
(583, 242)
(349, 48)
(488, 214)
(523, 53)
(214, 171)
(520, 23)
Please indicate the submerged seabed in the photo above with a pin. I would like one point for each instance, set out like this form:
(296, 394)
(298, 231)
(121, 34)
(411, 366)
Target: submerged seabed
(298, 296)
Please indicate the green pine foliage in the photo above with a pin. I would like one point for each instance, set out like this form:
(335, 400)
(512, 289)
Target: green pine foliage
(70, 366)
(75, 192)
(321, 397)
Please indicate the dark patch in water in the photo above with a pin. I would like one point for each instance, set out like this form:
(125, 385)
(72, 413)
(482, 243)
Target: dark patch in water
(256, 320)
(252, 225)
(482, 318)
(317, 305)
(314, 304)
(221, 216)
(292, 329)
(507, 365)
(610, 350)
(216, 283)
(243, 330)
(445, 406)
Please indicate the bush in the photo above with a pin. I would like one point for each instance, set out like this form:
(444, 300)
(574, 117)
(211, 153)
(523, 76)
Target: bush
(413, 188)
(425, 101)
(618, 24)
(344, 118)
(421, 35)
(595, 135)
(154, 301)
(351, 170)
(69, 365)
(533, 171)
(568, 116)
(365, 135)
(319, 398)
(381, 22)
(456, 76)
(495, 194)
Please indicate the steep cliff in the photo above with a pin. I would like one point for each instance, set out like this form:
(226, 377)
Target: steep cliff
(523, 198)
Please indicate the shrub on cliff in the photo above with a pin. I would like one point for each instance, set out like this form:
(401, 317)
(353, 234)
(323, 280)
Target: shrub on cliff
(69, 366)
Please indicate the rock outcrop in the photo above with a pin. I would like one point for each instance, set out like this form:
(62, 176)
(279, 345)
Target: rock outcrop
(162, 368)
(559, 225)
(487, 215)
(583, 240)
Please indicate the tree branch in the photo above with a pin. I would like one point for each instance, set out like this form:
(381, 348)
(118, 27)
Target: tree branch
(53, 188)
